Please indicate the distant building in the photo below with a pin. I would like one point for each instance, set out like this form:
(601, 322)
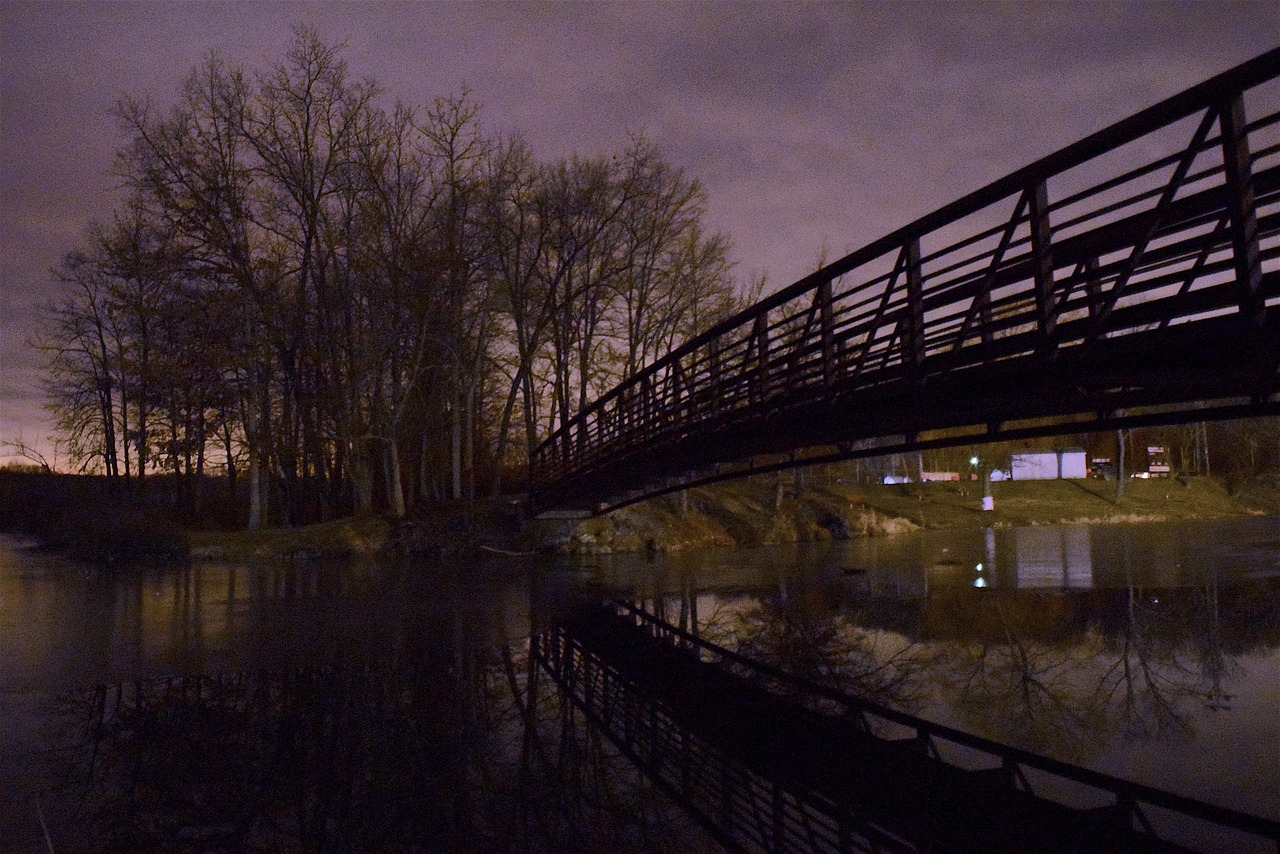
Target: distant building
(1049, 465)
(1157, 461)
(939, 475)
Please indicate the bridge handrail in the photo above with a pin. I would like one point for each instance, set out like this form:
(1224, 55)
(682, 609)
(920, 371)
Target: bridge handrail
(1255, 71)
(1126, 791)
(1245, 76)
(753, 326)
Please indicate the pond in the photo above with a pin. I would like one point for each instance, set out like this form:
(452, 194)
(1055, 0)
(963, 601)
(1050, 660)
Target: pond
(1151, 652)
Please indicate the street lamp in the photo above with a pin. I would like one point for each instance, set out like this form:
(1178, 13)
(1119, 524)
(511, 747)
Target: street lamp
(988, 503)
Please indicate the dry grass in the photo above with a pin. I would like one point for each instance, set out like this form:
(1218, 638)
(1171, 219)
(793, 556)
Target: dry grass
(946, 505)
(357, 535)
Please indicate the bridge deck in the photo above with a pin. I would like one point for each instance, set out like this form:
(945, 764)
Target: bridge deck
(765, 771)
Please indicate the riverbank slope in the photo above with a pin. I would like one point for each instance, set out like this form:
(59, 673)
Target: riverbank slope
(757, 512)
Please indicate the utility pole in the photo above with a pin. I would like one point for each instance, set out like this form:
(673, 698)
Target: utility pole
(1119, 465)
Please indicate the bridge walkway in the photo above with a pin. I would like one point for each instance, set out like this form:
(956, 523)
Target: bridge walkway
(768, 763)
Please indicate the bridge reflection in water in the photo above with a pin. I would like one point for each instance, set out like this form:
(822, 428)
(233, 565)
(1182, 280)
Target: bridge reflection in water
(767, 762)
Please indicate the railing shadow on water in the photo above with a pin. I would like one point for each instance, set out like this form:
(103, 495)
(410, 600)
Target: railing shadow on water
(993, 795)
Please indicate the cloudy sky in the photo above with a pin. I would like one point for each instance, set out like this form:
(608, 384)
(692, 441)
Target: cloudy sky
(813, 126)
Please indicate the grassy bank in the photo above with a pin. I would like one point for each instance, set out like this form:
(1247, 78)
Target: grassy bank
(952, 505)
(355, 536)
(748, 513)
(752, 512)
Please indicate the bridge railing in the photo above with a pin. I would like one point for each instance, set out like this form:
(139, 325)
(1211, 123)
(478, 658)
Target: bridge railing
(1164, 219)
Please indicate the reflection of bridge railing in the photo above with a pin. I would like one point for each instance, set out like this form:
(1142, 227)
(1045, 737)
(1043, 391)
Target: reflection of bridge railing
(767, 762)
(1145, 279)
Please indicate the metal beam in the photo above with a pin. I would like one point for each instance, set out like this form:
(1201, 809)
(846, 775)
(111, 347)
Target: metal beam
(1242, 208)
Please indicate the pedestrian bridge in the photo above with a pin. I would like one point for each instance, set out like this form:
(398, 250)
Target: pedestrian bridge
(1131, 278)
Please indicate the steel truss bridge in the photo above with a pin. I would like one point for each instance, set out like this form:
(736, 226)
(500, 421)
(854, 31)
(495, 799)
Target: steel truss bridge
(764, 761)
(1131, 278)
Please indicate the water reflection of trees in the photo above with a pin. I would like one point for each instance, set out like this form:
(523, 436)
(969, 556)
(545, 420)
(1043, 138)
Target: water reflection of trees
(1059, 672)
(1020, 689)
(804, 635)
(472, 756)
(1064, 673)
(335, 758)
(1151, 672)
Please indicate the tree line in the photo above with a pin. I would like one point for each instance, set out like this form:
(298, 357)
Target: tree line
(344, 306)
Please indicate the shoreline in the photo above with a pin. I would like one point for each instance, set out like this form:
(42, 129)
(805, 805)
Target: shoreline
(756, 512)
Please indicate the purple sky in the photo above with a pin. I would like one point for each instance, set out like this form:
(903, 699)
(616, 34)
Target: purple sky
(812, 126)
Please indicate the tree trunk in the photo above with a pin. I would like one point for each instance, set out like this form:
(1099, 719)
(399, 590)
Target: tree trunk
(455, 449)
(469, 439)
(424, 471)
(231, 462)
(395, 493)
(256, 504)
(504, 427)
(361, 475)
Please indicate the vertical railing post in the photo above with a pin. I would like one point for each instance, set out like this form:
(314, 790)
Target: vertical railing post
(714, 389)
(1092, 287)
(827, 331)
(679, 403)
(646, 406)
(566, 443)
(913, 324)
(1242, 206)
(1042, 271)
(760, 343)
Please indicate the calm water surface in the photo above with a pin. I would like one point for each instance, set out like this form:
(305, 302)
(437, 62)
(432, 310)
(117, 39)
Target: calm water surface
(1151, 652)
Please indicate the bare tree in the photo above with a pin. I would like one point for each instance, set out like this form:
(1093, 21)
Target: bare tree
(305, 280)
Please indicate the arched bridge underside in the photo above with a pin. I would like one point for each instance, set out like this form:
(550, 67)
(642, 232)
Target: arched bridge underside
(1131, 278)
